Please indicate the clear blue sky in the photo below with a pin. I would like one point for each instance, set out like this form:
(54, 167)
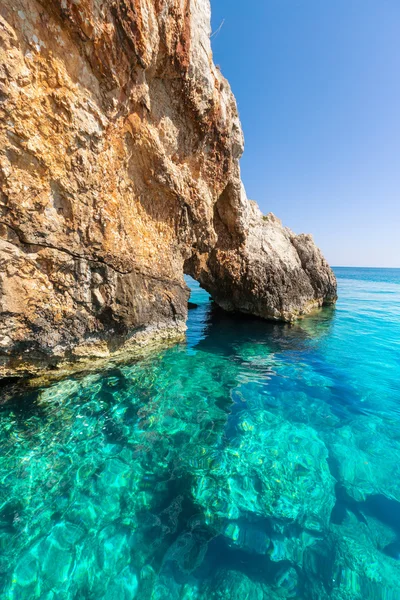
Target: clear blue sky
(318, 89)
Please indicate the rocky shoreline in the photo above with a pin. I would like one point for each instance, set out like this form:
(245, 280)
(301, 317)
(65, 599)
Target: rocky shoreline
(119, 173)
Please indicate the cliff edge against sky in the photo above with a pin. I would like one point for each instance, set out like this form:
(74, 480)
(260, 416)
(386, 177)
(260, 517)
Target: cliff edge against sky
(119, 172)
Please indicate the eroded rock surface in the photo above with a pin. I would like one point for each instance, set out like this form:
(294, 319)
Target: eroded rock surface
(119, 150)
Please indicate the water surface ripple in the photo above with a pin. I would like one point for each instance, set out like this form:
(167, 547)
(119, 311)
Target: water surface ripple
(256, 461)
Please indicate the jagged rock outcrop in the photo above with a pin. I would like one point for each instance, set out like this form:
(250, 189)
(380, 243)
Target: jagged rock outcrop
(119, 150)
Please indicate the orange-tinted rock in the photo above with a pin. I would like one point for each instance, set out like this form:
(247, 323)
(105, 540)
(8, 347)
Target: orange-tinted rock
(119, 149)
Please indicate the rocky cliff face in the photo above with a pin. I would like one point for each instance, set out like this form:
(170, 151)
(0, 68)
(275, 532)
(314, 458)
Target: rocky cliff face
(119, 150)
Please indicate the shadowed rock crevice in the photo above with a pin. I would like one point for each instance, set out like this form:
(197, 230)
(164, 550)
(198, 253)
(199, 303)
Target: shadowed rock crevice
(119, 171)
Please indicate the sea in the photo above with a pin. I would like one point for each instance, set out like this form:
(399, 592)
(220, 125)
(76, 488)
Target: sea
(257, 460)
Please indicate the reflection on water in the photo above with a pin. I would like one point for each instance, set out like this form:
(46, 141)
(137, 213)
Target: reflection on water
(257, 461)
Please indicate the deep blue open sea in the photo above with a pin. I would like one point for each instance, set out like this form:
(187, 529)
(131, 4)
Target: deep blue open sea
(257, 461)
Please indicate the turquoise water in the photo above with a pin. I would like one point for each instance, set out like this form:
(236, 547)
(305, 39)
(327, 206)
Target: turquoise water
(257, 461)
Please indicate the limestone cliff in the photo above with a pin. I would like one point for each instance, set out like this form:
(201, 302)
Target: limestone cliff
(119, 172)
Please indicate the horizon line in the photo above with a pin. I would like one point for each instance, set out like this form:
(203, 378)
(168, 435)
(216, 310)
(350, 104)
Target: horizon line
(358, 267)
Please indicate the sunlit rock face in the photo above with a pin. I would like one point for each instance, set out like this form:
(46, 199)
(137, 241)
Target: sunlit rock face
(119, 150)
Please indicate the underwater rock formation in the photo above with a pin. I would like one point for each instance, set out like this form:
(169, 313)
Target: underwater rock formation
(119, 171)
(277, 475)
(368, 455)
(176, 478)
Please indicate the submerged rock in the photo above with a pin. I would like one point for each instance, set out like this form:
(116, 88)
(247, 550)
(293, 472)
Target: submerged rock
(119, 159)
(235, 585)
(367, 458)
(273, 469)
(174, 479)
(362, 569)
